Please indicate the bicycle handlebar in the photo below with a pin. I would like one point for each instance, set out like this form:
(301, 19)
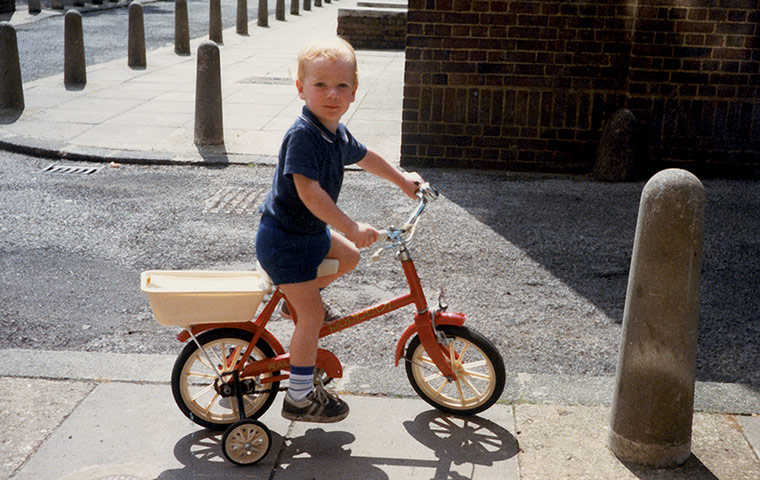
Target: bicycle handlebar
(400, 236)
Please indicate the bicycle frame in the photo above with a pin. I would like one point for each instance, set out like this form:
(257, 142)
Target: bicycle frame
(423, 326)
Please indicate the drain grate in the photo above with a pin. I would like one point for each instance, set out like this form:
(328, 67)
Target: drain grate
(268, 80)
(237, 200)
(71, 169)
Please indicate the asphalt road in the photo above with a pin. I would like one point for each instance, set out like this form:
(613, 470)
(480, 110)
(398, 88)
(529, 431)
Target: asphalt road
(105, 32)
(539, 264)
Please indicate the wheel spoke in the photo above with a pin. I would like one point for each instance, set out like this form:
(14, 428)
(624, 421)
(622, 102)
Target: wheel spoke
(478, 375)
(211, 403)
(461, 393)
(202, 375)
(202, 392)
(472, 387)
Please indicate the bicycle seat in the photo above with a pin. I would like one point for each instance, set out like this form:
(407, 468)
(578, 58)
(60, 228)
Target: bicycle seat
(329, 266)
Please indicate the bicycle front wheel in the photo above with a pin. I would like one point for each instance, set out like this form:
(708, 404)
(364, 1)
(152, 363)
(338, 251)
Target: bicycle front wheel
(195, 382)
(476, 363)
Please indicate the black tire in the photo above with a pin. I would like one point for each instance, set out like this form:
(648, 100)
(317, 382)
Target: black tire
(246, 442)
(193, 379)
(479, 383)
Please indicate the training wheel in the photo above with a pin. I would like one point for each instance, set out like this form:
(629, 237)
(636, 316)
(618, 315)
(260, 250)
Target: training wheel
(246, 442)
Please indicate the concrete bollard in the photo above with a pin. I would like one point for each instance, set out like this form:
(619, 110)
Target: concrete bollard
(307, 5)
(263, 20)
(294, 7)
(215, 21)
(74, 68)
(208, 96)
(136, 40)
(279, 11)
(181, 28)
(242, 17)
(653, 401)
(11, 86)
(34, 6)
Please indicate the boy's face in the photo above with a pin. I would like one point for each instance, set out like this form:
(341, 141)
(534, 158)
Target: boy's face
(328, 88)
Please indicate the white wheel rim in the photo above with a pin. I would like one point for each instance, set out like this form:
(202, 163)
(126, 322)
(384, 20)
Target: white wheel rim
(247, 443)
(476, 378)
(198, 377)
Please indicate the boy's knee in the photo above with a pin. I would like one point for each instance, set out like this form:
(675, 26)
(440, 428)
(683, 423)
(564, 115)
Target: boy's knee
(352, 259)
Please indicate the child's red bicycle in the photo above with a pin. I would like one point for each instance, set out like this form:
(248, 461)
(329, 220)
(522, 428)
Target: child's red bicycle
(230, 373)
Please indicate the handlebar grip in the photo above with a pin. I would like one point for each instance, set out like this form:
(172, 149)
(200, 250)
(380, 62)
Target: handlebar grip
(382, 235)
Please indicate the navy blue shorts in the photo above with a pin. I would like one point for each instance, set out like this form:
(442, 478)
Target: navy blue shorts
(289, 257)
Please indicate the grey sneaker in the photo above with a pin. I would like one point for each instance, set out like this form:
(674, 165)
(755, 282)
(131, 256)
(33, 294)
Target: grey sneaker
(318, 406)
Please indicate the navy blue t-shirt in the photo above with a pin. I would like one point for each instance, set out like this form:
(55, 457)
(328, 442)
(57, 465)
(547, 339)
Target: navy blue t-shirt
(309, 149)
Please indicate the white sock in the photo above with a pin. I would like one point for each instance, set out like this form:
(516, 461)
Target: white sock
(301, 382)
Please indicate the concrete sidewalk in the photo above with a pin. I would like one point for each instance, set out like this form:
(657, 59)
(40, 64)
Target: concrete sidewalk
(109, 416)
(147, 115)
(98, 416)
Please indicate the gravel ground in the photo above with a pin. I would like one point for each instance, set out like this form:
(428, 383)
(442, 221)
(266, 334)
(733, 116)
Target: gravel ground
(539, 264)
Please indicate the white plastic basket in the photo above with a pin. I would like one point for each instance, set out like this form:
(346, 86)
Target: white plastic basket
(192, 297)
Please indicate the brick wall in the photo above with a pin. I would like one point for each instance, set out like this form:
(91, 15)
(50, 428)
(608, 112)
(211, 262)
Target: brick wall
(373, 28)
(528, 84)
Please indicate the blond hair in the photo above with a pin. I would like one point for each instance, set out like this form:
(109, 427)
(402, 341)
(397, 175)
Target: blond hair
(333, 48)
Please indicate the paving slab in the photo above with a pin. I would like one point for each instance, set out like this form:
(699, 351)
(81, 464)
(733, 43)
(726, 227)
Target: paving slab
(564, 442)
(147, 115)
(30, 411)
(136, 431)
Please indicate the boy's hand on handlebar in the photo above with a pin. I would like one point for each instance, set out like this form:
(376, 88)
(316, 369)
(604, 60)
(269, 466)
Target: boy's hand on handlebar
(412, 182)
(363, 234)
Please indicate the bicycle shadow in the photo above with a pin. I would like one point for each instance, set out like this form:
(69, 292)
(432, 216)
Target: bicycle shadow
(471, 441)
(201, 454)
(458, 444)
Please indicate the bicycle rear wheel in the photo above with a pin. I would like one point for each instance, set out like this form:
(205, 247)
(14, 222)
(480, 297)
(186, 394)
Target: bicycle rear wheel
(475, 361)
(195, 382)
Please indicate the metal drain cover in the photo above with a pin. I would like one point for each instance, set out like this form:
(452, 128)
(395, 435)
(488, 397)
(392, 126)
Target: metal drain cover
(71, 169)
(237, 200)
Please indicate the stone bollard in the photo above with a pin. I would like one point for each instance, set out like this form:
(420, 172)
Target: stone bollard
(181, 28)
(653, 401)
(34, 6)
(56, 4)
(11, 86)
(294, 7)
(78, 3)
(215, 21)
(307, 5)
(7, 6)
(317, 3)
(618, 147)
(208, 96)
(74, 68)
(279, 12)
(242, 17)
(263, 13)
(136, 41)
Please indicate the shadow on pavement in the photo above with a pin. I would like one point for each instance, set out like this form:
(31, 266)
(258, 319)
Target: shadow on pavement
(583, 232)
(693, 469)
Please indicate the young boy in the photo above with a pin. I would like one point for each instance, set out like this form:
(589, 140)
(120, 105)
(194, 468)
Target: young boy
(293, 236)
